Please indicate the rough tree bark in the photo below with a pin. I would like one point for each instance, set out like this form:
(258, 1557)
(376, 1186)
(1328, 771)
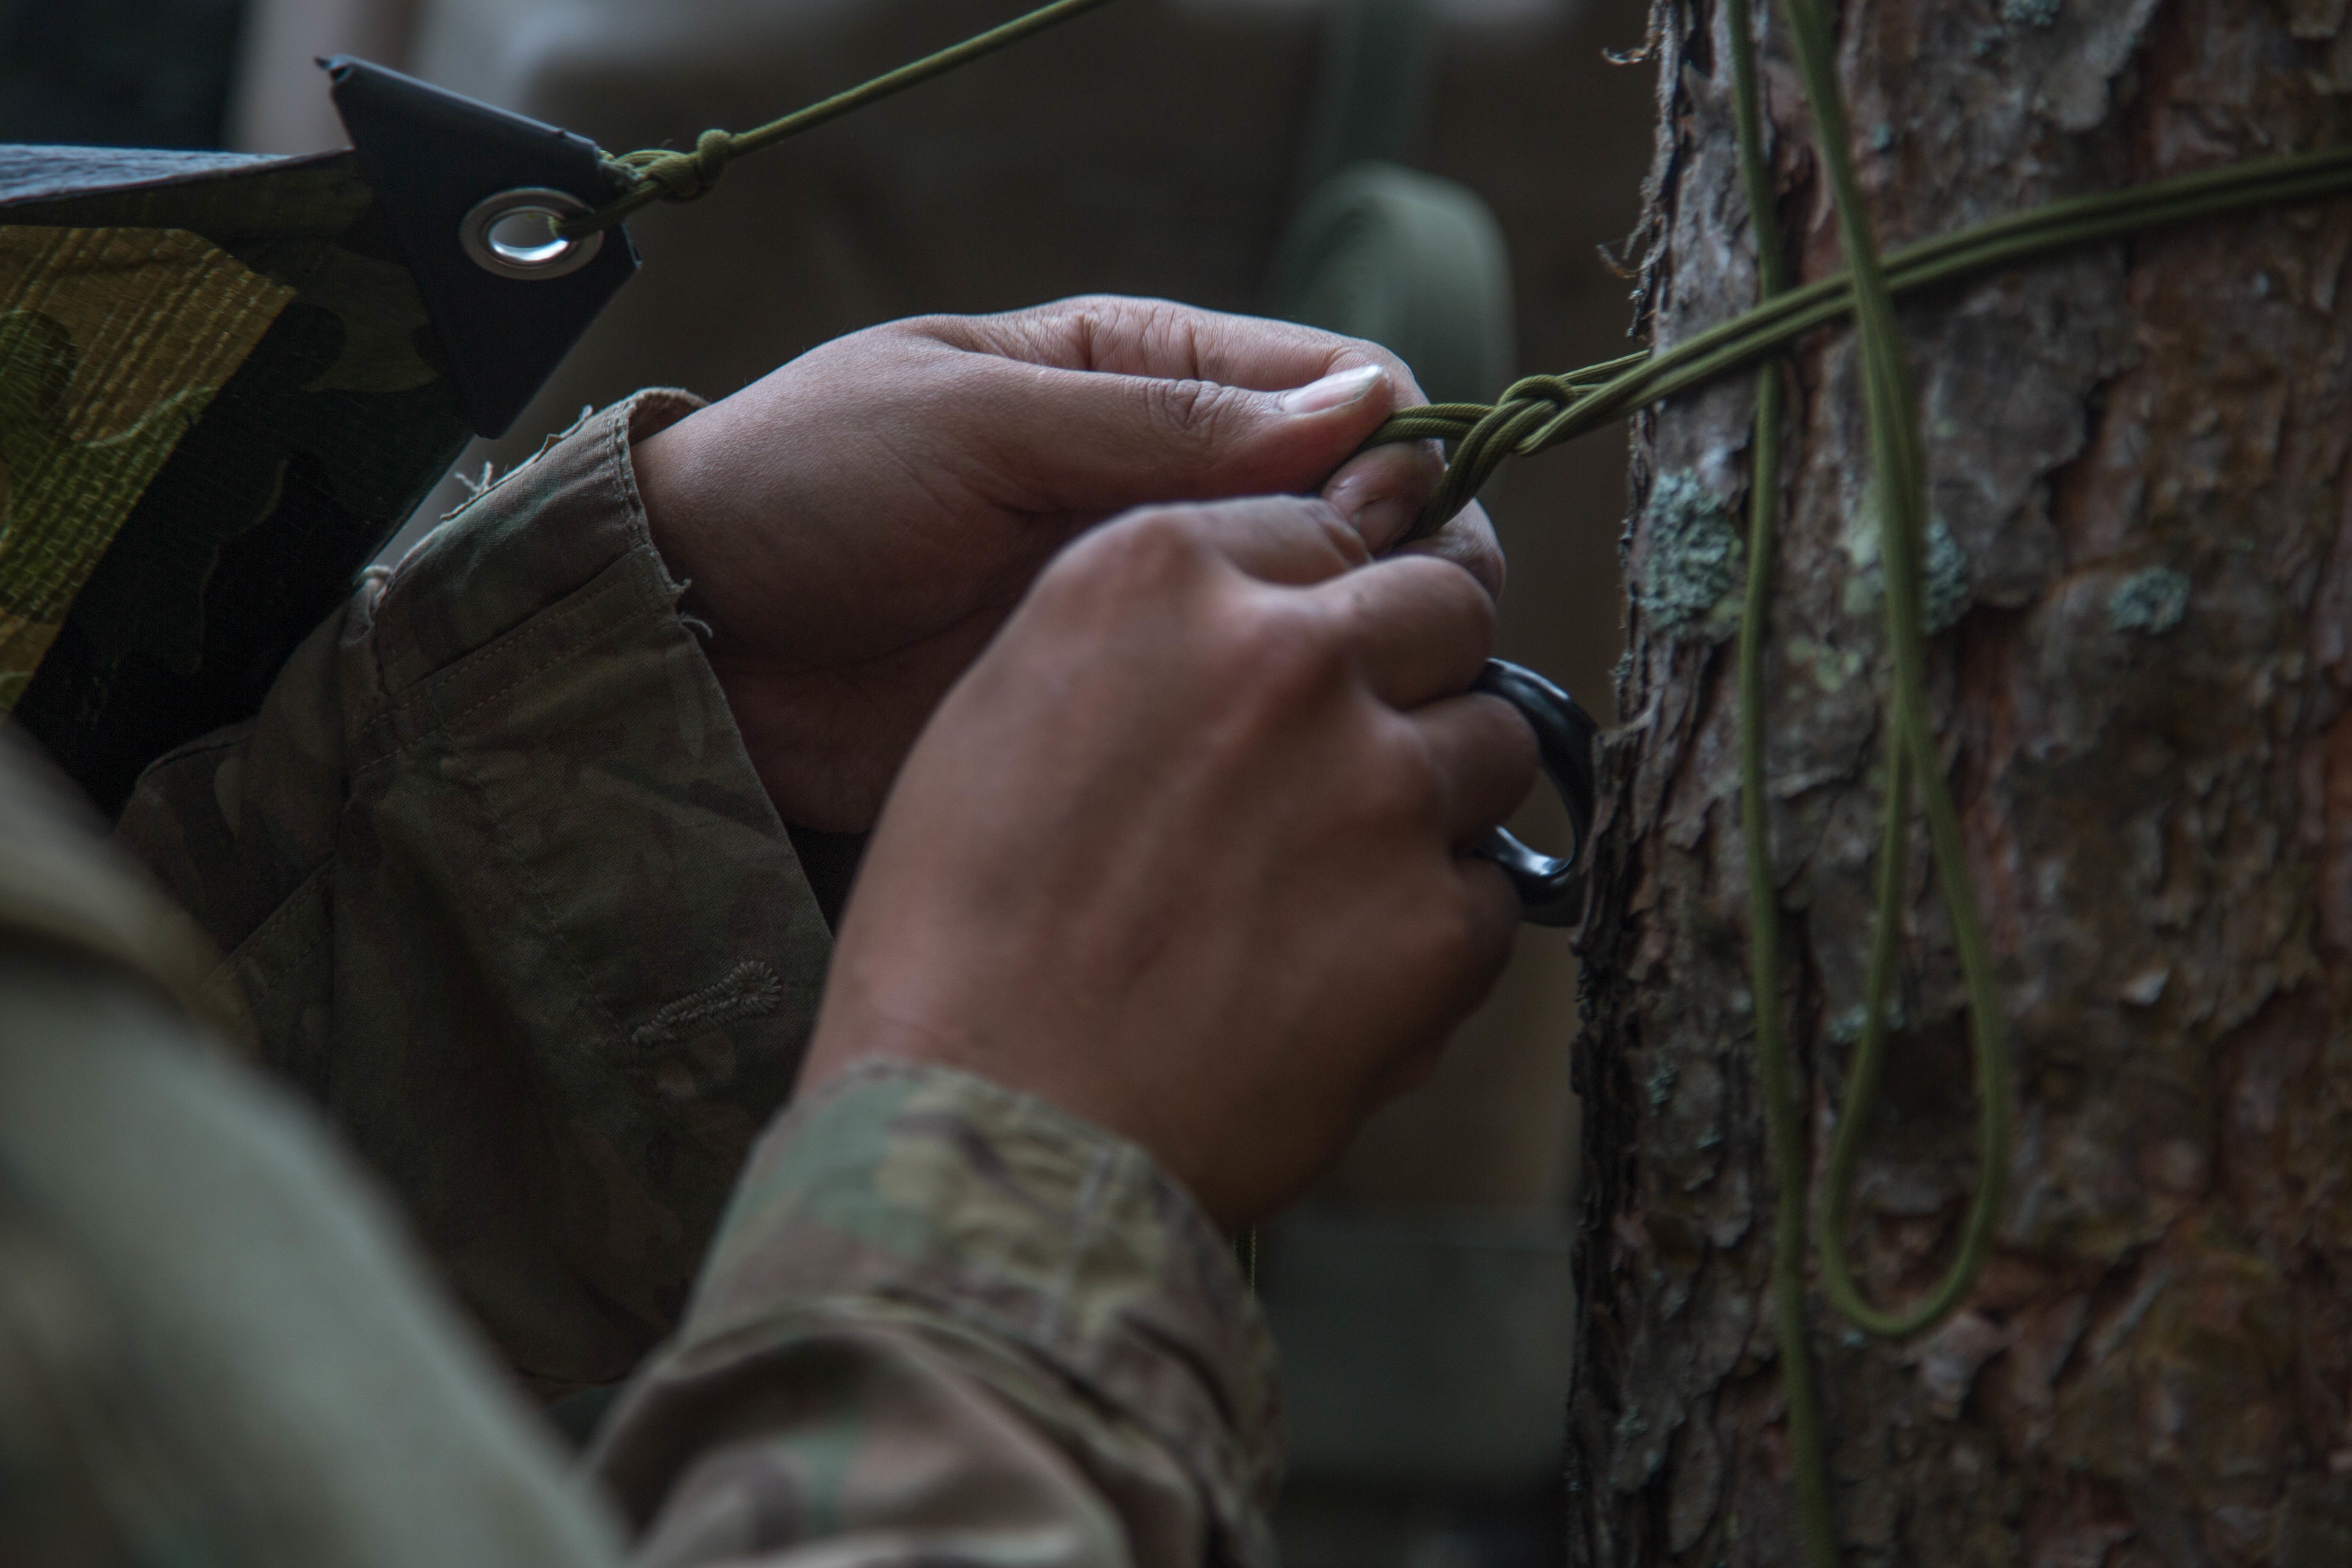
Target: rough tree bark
(2141, 584)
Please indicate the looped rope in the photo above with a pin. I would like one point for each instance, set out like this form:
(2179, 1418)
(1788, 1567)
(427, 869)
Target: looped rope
(1534, 412)
(1541, 411)
(1584, 400)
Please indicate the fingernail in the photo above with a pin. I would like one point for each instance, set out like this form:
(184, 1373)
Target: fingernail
(1338, 387)
(1384, 523)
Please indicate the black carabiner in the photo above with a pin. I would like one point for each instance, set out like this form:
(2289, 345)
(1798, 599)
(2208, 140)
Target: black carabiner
(1551, 887)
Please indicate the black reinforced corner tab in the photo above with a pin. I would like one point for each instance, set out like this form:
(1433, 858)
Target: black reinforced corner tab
(431, 158)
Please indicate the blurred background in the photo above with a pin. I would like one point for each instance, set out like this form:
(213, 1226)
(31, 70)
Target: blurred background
(1441, 174)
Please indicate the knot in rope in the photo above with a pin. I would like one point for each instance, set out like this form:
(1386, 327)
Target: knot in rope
(659, 175)
(1534, 412)
(683, 177)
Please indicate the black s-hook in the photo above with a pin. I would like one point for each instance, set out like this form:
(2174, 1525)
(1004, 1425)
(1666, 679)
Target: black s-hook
(1551, 887)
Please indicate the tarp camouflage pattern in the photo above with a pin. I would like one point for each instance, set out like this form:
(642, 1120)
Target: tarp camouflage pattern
(225, 380)
(218, 398)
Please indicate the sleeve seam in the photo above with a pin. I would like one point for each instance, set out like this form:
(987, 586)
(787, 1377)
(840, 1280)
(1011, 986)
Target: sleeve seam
(544, 917)
(536, 669)
(230, 968)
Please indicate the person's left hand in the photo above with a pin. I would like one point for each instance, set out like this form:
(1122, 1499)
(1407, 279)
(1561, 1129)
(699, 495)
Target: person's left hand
(856, 526)
(1189, 851)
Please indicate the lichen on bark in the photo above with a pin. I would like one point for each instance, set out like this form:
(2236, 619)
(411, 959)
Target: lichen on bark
(2137, 453)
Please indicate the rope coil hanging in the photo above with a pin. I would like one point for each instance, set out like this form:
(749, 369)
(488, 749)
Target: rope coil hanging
(1542, 411)
(1899, 498)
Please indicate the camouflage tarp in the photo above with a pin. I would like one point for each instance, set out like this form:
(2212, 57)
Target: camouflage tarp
(221, 390)
(212, 410)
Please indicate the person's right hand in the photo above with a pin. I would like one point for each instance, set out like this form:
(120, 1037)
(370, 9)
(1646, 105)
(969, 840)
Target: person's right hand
(1184, 852)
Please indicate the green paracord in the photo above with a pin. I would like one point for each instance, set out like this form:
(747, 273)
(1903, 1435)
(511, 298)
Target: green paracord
(1539, 411)
(666, 175)
(1783, 1122)
(1542, 411)
(1545, 410)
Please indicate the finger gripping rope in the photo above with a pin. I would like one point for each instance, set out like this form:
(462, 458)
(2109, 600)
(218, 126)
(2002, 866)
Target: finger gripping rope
(1608, 391)
(1535, 412)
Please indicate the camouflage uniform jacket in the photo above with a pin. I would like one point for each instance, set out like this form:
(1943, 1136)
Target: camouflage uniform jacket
(500, 893)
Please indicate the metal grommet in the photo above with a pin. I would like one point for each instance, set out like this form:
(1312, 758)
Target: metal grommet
(512, 234)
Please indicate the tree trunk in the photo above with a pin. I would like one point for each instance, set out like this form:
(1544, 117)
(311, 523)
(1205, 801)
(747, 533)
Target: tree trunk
(2140, 579)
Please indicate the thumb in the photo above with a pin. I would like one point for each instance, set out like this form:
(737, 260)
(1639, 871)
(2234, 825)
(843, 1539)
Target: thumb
(1089, 441)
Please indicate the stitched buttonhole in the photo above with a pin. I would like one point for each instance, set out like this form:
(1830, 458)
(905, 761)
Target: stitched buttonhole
(750, 990)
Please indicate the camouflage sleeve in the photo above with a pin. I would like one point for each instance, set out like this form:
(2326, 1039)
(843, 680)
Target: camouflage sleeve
(944, 1322)
(502, 892)
(504, 895)
(216, 1344)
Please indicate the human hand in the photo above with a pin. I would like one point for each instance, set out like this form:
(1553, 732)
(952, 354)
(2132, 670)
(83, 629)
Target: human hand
(856, 525)
(1185, 852)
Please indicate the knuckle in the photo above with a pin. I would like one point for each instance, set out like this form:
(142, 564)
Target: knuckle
(1364, 350)
(1398, 788)
(1168, 328)
(1443, 935)
(1094, 306)
(1337, 531)
(1463, 595)
(1461, 939)
(1154, 534)
(1417, 785)
(1514, 761)
(1292, 653)
(1141, 553)
(1468, 542)
(1472, 930)
(1515, 740)
(1432, 596)
(1187, 416)
(1474, 612)
(1092, 322)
